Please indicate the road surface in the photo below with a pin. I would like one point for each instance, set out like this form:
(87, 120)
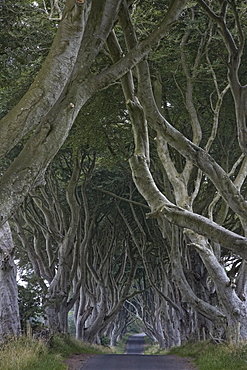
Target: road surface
(134, 360)
(135, 344)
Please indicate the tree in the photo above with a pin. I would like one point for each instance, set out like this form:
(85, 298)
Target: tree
(26, 36)
(203, 234)
(179, 153)
(49, 225)
(9, 310)
(67, 65)
(65, 82)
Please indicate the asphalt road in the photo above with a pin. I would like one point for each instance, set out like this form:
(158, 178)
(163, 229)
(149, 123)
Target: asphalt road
(135, 345)
(134, 360)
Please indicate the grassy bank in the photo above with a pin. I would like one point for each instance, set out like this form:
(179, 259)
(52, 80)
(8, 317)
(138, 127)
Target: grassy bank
(208, 356)
(28, 354)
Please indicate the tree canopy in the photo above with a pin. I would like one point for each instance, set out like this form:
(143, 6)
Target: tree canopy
(107, 98)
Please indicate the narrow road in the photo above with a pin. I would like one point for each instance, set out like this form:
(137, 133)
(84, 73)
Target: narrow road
(135, 344)
(134, 360)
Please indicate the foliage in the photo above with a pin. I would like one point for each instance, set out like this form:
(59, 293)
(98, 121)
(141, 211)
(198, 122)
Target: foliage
(153, 349)
(26, 34)
(103, 127)
(71, 323)
(31, 297)
(135, 327)
(104, 340)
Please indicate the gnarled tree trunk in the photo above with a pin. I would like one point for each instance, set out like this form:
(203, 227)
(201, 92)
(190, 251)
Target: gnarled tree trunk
(9, 311)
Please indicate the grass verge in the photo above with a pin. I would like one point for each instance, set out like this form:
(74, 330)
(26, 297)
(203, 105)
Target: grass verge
(209, 356)
(28, 354)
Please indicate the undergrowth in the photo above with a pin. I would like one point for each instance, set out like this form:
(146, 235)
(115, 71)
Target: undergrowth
(29, 354)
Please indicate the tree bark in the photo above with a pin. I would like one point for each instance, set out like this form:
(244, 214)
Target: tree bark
(51, 79)
(56, 120)
(9, 310)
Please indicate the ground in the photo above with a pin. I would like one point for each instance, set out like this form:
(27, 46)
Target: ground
(77, 360)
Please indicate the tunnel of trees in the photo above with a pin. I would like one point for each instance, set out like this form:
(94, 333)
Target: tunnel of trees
(123, 168)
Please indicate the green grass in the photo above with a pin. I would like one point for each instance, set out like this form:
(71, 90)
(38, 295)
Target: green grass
(208, 356)
(153, 349)
(25, 354)
(28, 354)
(66, 345)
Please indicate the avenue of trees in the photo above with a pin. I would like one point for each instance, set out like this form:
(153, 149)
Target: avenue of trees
(123, 167)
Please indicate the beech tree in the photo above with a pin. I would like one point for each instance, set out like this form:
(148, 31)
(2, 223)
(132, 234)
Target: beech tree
(176, 157)
(202, 233)
(65, 82)
(80, 251)
(8, 291)
(49, 225)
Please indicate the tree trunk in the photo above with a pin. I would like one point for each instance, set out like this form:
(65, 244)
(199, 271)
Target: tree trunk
(57, 314)
(9, 310)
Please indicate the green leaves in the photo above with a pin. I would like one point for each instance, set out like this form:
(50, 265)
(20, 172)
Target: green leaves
(31, 296)
(25, 38)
